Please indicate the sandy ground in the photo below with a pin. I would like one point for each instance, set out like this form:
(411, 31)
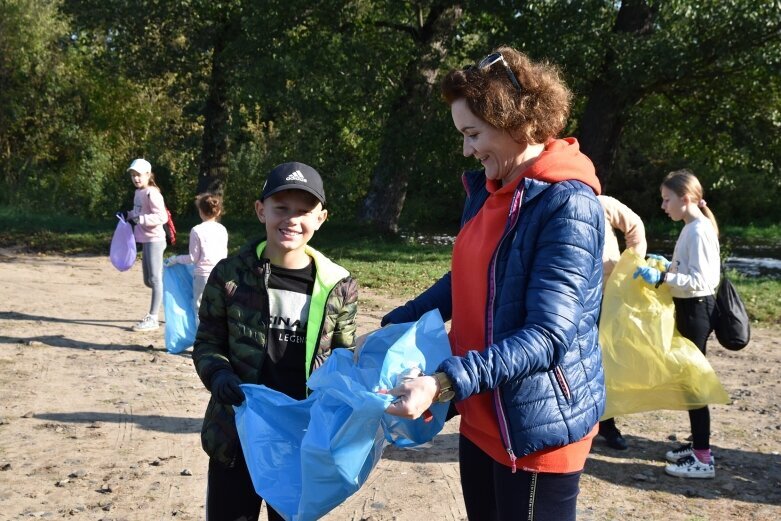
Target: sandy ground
(99, 422)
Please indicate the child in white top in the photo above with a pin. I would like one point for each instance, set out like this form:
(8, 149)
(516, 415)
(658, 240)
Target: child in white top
(693, 276)
(148, 217)
(208, 244)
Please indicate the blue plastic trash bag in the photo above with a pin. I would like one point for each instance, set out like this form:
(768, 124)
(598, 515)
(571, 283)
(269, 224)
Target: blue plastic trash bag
(123, 246)
(180, 317)
(306, 457)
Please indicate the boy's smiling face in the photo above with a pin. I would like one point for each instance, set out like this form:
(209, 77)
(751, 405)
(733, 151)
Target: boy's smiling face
(291, 217)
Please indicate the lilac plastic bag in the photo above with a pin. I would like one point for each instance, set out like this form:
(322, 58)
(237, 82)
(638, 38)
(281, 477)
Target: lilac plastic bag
(123, 246)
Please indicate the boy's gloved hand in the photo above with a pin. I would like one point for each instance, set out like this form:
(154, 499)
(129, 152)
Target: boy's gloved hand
(169, 261)
(649, 274)
(225, 387)
(659, 258)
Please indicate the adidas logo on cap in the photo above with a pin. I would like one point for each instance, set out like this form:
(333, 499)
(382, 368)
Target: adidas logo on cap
(296, 176)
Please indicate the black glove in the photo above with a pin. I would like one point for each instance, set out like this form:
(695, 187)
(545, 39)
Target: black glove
(225, 387)
(123, 214)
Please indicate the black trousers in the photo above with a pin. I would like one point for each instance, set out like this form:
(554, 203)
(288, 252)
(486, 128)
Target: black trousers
(493, 493)
(694, 318)
(230, 495)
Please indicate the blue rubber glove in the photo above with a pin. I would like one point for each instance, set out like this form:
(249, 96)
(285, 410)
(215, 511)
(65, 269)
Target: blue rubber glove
(659, 258)
(649, 274)
(169, 261)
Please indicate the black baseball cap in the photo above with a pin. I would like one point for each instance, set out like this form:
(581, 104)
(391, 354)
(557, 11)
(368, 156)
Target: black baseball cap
(294, 176)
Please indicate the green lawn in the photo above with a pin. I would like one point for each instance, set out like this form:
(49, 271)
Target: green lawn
(386, 264)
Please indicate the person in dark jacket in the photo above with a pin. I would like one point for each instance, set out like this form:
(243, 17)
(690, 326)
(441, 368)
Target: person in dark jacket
(523, 294)
(269, 315)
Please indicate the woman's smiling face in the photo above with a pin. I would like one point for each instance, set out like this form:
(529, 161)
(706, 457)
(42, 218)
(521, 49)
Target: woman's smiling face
(496, 150)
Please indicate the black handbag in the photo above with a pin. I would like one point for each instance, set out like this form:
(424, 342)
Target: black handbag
(730, 319)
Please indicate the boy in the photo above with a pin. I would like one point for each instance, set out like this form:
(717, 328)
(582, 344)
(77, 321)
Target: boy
(270, 315)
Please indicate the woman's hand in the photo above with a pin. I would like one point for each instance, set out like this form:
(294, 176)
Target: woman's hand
(414, 396)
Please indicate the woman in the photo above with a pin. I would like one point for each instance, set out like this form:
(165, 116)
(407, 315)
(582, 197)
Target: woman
(523, 294)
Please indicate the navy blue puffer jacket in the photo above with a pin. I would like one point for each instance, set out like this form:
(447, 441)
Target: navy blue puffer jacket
(543, 361)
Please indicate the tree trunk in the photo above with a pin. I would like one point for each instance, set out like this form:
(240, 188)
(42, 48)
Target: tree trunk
(398, 155)
(213, 169)
(611, 96)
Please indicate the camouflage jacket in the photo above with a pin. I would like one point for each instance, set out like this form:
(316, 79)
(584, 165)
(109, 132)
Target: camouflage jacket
(233, 328)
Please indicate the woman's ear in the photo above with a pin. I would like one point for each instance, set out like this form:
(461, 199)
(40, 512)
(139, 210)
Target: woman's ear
(518, 136)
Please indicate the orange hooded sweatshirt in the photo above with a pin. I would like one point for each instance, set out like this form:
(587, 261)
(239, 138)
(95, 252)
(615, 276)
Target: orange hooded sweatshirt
(475, 244)
(562, 160)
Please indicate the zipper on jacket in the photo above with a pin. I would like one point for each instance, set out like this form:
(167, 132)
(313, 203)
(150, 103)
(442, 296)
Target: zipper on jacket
(320, 331)
(501, 415)
(265, 269)
(504, 428)
(512, 220)
(563, 384)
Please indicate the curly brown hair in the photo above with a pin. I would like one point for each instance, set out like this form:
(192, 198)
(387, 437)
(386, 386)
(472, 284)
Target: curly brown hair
(534, 115)
(210, 205)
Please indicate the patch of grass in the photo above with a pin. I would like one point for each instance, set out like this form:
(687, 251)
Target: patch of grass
(389, 264)
(762, 297)
(392, 265)
(769, 234)
(751, 235)
(55, 233)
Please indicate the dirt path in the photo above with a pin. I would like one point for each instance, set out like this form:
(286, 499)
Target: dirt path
(99, 422)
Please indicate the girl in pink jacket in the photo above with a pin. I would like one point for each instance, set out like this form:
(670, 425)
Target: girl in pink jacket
(149, 216)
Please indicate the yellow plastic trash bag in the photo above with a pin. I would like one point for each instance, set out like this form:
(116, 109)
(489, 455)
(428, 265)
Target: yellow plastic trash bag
(648, 364)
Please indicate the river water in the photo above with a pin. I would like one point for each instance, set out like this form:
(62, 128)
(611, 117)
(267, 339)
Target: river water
(751, 261)
(756, 266)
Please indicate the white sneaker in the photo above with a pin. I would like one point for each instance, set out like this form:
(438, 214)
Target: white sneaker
(148, 323)
(681, 452)
(691, 467)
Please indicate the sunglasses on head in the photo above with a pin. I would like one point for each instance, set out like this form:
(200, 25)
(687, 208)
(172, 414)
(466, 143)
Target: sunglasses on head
(495, 57)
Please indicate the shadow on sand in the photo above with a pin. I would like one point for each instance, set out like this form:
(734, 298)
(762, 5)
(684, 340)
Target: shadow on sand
(169, 424)
(741, 475)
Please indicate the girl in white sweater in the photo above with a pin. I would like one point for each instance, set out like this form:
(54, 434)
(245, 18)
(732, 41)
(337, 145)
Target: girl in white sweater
(208, 244)
(693, 276)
